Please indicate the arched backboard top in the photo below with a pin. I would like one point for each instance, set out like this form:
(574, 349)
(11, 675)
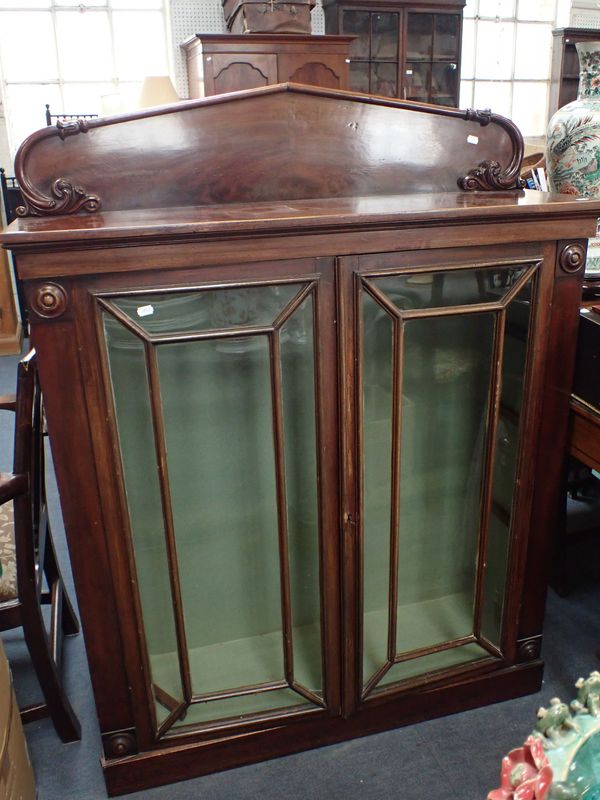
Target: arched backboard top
(284, 142)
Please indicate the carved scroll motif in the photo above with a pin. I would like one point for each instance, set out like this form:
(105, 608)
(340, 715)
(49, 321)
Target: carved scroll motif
(66, 198)
(490, 175)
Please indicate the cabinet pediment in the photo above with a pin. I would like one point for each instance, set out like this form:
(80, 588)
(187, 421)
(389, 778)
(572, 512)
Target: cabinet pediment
(283, 142)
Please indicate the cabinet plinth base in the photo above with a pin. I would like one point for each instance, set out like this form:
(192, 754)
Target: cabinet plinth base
(158, 767)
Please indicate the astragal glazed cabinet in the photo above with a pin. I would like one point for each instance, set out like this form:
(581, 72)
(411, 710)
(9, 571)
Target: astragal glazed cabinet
(306, 358)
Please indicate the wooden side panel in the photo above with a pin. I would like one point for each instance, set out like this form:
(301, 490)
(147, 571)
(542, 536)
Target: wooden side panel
(62, 382)
(563, 321)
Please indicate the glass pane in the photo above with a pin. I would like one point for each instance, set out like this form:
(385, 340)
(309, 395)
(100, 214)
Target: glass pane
(447, 28)
(417, 81)
(419, 36)
(356, 23)
(217, 410)
(383, 79)
(359, 76)
(436, 662)
(240, 707)
(30, 3)
(27, 108)
(207, 309)
(84, 98)
(518, 320)
(445, 396)
(444, 83)
(135, 3)
(470, 9)
(384, 42)
(377, 487)
(28, 32)
(145, 53)
(450, 288)
(138, 456)
(497, 8)
(219, 439)
(299, 415)
(467, 65)
(494, 95)
(532, 54)
(466, 94)
(494, 57)
(530, 101)
(536, 10)
(94, 30)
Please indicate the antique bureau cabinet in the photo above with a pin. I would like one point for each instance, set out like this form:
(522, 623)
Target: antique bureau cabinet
(306, 359)
(219, 63)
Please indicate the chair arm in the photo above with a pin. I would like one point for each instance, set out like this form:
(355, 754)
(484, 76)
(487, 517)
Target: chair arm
(12, 485)
(8, 402)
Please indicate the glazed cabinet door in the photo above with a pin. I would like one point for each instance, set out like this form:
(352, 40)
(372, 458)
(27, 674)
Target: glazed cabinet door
(440, 352)
(215, 391)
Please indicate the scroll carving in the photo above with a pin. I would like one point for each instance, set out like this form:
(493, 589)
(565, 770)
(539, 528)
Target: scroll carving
(490, 175)
(50, 300)
(66, 198)
(572, 258)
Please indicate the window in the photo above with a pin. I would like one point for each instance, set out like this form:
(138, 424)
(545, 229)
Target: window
(70, 54)
(506, 56)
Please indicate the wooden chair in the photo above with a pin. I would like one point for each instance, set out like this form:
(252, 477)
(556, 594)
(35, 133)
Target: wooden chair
(11, 195)
(31, 576)
(11, 200)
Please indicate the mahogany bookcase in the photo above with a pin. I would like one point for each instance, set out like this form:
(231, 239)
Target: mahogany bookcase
(306, 359)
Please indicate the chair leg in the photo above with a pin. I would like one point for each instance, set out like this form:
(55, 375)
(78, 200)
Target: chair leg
(59, 708)
(69, 621)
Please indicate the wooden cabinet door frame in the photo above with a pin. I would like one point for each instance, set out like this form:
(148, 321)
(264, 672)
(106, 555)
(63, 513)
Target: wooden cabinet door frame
(88, 297)
(539, 261)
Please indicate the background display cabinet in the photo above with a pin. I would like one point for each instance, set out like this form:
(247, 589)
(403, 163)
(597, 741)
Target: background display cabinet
(307, 401)
(219, 63)
(409, 50)
(564, 78)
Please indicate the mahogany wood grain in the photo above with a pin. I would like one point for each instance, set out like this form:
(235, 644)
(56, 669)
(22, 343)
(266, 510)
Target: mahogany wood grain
(279, 185)
(179, 763)
(552, 418)
(291, 142)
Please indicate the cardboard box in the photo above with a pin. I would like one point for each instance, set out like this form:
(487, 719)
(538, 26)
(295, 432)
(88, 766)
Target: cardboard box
(16, 775)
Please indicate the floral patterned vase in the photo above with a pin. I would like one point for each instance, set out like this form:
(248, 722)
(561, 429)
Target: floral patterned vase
(573, 143)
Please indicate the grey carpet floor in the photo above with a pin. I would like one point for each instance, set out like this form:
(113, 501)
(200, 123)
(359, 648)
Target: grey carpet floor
(454, 758)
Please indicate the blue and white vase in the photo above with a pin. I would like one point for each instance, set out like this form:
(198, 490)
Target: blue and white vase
(573, 140)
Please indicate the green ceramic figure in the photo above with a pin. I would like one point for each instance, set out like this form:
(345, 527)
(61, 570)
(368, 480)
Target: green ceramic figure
(555, 723)
(588, 696)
